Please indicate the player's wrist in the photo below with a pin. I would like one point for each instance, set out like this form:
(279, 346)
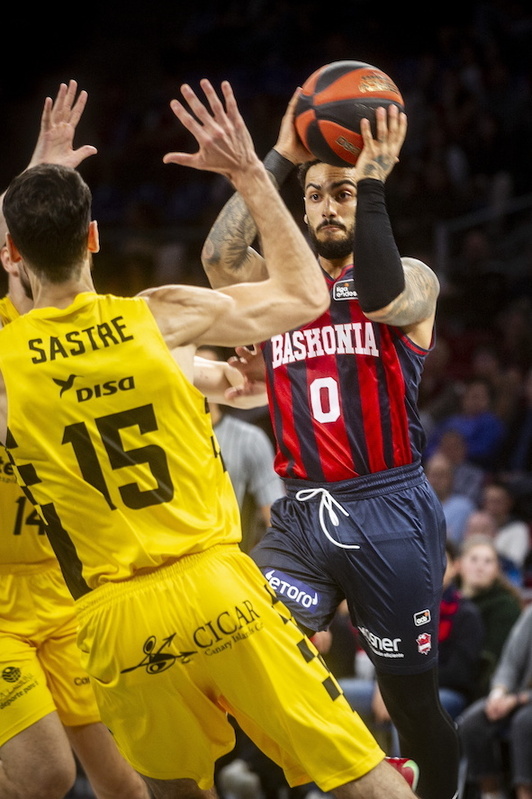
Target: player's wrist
(278, 165)
(251, 180)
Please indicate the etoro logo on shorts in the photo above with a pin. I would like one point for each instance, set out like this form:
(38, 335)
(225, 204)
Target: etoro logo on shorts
(382, 647)
(288, 588)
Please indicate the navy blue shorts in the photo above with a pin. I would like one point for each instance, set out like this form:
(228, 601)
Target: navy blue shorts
(376, 541)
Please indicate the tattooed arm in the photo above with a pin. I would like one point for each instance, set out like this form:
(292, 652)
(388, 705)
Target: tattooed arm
(227, 254)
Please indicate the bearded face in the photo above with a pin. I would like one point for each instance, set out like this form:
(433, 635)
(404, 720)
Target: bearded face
(334, 247)
(330, 205)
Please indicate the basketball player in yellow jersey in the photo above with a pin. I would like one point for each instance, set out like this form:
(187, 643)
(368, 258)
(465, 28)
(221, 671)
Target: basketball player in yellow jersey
(47, 705)
(114, 444)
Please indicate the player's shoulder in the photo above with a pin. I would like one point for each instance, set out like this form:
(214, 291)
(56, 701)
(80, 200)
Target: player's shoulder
(416, 263)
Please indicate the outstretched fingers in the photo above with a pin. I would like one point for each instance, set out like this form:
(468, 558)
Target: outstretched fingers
(215, 103)
(59, 121)
(225, 145)
(78, 108)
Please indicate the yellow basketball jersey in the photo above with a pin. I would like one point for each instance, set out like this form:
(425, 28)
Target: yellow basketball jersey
(8, 312)
(22, 535)
(22, 531)
(110, 440)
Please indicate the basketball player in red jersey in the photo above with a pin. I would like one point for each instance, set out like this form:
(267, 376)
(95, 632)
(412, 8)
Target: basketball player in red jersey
(359, 520)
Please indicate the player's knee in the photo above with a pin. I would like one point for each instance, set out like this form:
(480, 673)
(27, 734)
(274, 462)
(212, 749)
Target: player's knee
(380, 781)
(52, 782)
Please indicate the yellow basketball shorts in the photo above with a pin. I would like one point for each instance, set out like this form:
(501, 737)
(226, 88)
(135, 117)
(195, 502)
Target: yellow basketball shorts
(172, 652)
(40, 664)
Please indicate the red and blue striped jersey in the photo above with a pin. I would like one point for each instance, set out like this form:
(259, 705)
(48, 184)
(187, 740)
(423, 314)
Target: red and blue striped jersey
(343, 393)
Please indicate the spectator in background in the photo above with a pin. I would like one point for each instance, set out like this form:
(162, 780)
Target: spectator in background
(480, 426)
(248, 455)
(480, 579)
(438, 396)
(457, 508)
(480, 523)
(505, 714)
(515, 457)
(512, 536)
(461, 638)
(505, 380)
(514, 331)
(468, 478)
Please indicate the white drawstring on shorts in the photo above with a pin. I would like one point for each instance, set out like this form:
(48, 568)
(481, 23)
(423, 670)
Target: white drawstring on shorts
(326, 504)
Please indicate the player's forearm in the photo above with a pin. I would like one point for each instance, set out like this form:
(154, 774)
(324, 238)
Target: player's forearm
(226, 255)
(379, 276)
(292, 267)
(390, 289)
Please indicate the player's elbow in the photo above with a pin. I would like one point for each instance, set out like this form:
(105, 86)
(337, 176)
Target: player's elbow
(313, 301)
(210, 259)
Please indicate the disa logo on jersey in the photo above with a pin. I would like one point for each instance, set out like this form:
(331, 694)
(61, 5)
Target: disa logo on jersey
(85, 393)
(344, 290)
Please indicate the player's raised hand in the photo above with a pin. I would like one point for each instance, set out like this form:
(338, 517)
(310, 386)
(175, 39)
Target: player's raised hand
(380, 153)
(225, 144)
(288, 144)
(60, 117)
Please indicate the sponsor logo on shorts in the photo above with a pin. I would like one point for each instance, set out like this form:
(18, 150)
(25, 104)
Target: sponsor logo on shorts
(157, 658)
(288, 588)
(344, 290)
(214, 636)
(18, 685)
(11, 674)
(424, 643)
(227, 629)
(422, 617)
(382, 647)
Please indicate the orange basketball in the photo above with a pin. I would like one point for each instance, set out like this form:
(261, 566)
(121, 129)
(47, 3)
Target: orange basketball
(333, 100)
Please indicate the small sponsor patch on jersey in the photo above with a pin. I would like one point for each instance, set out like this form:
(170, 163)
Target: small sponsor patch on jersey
(424, 643)
(422, 617)
(344, 290)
